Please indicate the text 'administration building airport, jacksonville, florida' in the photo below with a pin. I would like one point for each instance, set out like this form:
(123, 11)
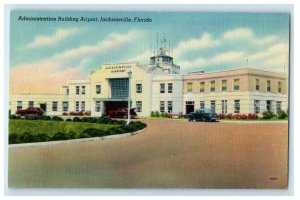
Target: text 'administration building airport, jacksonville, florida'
(160, 86)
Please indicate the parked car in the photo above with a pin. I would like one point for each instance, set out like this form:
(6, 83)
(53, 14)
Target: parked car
(206, 115)
(31, 111)
(121, 113)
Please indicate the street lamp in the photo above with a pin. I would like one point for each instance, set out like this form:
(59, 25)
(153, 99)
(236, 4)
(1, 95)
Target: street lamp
(128, 109)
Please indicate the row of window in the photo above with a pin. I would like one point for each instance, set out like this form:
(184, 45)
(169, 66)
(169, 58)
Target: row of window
(139, 88)
(236, 86)
(78, 90)
(163, 104)
(163, 87)
(80, 106)
(237, 105)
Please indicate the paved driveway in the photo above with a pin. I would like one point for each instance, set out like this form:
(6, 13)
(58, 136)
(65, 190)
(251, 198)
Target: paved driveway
(169, 154)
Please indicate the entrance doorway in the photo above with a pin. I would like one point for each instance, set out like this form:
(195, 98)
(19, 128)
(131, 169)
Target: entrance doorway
(114, 105)
(189, 107)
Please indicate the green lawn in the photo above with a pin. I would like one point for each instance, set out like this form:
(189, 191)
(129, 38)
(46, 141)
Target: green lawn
(51, 127)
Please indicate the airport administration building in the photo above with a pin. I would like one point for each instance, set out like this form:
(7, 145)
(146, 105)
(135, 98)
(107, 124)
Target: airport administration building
(159, 86)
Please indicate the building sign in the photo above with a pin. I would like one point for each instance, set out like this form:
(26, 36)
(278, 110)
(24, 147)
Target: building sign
(118, 68)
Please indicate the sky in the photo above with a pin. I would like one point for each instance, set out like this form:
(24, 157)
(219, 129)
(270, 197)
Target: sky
(44, 55)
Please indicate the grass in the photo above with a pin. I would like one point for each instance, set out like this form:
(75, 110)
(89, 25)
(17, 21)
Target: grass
(51, 127)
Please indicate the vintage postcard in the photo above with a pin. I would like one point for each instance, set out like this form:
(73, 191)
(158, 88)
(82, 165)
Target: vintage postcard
(148, 99)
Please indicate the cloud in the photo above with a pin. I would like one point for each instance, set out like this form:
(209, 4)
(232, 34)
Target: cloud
(48, 40)
(222, 58)
(232, 50)
(48, 75)
(239, 33)
(204, 42)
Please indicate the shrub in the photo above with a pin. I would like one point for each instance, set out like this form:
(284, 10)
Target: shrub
(56, 118)
(281, 114)
(164, 114)
(60, 136)
(156, 114)
(71, 135)
(76, 119)
(87, 113)
(69, 120)
(42, 137)
(152, 114)
(243, 116)
(116, 130)
(267, 115)
(14, 117)
(229, 116)
(65, 114)
(221, 116)
(26, 137)
(236, 116)
(45, 118)
(13, 138)
(252, 116)
(32, 118)
(180, 115)
(93, 132)
(76, 113)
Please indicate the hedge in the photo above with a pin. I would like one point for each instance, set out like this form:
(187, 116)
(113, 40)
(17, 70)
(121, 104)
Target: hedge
(28, 137)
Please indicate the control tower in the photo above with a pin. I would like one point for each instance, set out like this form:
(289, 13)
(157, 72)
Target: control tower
(162, 58)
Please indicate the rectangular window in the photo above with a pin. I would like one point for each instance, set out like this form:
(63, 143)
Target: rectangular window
(82, 89)
(224, 106)
(202, 104)
(162, 106)
(236, 106)
(77, 106)
(278, 106)
(68, 91)
(257, 84)
(77, 90)
(189, 87)
(162, 88)
(139, 88)
(257, 106)
(236, 84)
(170, 87)
(54, 105)
(98, 106)
(65, 106)
(269, 86)
(269, 105)
(98, 89)
(202, 86)
(212, 86)
(224, 85)
(213, 106)
(279, 87)
(19, 105)
(83, 106)
(139, 106)
(170, 106)
(30, 104)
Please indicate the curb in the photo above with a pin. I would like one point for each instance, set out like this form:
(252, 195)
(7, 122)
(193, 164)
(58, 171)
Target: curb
(72, 141)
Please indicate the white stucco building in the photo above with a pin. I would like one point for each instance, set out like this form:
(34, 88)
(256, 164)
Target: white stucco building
(159, 86)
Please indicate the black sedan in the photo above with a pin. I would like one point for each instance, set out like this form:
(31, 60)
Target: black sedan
(205, 115)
